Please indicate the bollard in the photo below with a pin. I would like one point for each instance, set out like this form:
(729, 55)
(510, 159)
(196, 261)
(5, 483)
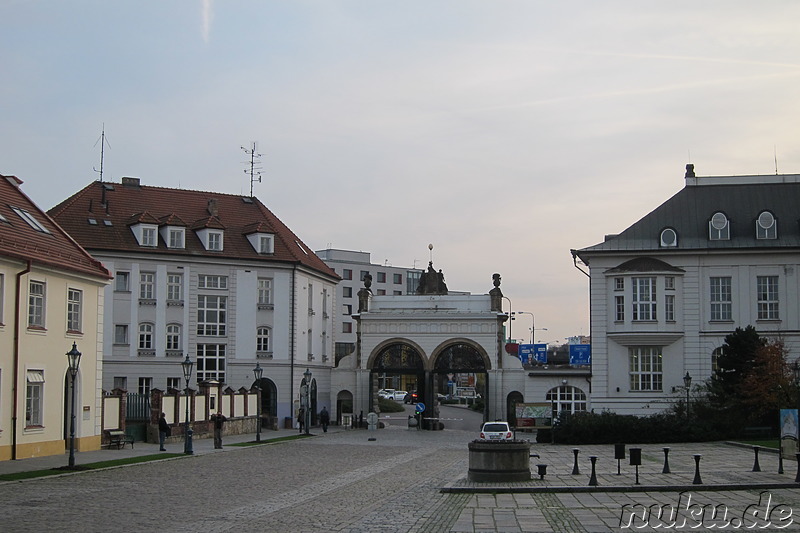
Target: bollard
(593, 478)
(756, 466)
(780, 461)
(575, 469)
(636, 460)
(542, 471)
(666, 461)
(619, 454)
(697, 480)
(797, 477)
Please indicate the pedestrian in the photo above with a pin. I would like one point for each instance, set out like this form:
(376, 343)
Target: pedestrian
(324, 419)
(301, 417)
(164, 431)
(218, 419)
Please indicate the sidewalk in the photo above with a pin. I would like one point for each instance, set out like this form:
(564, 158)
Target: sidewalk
(140, 449)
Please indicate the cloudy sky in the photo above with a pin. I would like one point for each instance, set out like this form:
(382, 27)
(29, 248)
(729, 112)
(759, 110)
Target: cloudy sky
(504, 132)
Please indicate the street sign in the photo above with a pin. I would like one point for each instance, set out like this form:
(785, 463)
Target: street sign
(420, 407)
(580, 354)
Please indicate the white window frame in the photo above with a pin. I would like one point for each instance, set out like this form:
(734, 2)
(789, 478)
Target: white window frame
(619, 308)
(669, 307)
(122, 281)
(177, 238)
(74, 310)
(147, 285)
(145, 385)
(149, 236)
(211, 315)
(767, 296)
(212, 281)
(765, 230)
(146, 336)
(173, 337)
(566, 398)
(174, 287)
(619, 284)
(721, 298)
(215, 241)
(34, 398)
(264, 291)
(121, 334)
(174, 383)
(263, 340)
(37, 294)
(643, 299)
(211, 355)
(719, 227)
(645, 368)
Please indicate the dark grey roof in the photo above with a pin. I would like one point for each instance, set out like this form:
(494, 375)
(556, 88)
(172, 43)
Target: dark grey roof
(689, 211)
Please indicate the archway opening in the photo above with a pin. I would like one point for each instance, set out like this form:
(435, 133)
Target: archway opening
(398, 368)
(460, 376)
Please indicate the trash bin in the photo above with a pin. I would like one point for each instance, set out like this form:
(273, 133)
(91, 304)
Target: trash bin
(287, 422)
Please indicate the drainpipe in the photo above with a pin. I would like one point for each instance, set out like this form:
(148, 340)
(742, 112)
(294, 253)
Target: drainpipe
(15, 382)
(292, 342)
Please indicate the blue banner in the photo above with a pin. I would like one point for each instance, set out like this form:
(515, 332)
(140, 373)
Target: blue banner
(580, 354)
(525, 353)
(540, 353)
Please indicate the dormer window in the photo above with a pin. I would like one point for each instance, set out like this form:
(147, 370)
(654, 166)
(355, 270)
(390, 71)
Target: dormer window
(669, 239)
(146, 234)
(719, 228)
(215, 241)
(176, 238)
(262, 243)
(766, 226)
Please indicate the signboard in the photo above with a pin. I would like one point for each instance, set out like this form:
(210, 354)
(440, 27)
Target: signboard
(580, 354)
(526, 353)
(534, 415)
(530, 354)
(540, 353)
(420, 407)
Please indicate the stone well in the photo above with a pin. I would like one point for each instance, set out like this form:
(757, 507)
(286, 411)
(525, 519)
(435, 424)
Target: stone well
(499, 461)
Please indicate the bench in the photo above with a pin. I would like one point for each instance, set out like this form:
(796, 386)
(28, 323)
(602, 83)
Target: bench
(757, 432)
(118, 438)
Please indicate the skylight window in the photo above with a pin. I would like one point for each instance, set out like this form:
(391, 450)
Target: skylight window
(30, 219)
(93, 221)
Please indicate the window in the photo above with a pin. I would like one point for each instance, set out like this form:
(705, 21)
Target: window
(122, 281)
(669, 283)
(347, 327)
(766, 226)
(397, 293)
(145, 385)
(669, 308)
(2, 295)
(619, 284)
(74, 299)
(381, 277)
(262, 340)
(121, 382)
(347, 292)
(364, 273)
(121, 334)
(175, 287)
(719, 228)
(715, 359)
(149, 236)
(173, 383)
(397, 279)
(347, 273)
(310, 344)
(173, 337)
(645, 368)
(310, 299)
(34, 397)
(145, 336)
(147, 285)
(264, 291)
(721, 303)
(211, 362)
(619, 308)
(265, 244)
(567, 399)
(644, 298)
(347, 309)
(206, 281)
(381, 292)
(767, 289)
(211, 315)
(36, 304)
(176, 238)
(215, 241)
(30, 219)
(669, 239)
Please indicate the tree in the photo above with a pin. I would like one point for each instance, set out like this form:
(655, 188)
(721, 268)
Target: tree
(768, 385)
(736, 361)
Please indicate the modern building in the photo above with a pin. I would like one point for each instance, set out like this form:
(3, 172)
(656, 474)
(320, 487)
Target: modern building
(722, 253)
(215, 277)
(51, 298)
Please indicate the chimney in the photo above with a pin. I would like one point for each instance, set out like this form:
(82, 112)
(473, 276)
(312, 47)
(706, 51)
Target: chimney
(212, 207)
(131, 182)
(689, 171)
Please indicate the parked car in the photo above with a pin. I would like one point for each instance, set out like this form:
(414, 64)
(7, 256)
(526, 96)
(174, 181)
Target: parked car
(386, 393)
(496, 431)
(399, 395)
(412, 397)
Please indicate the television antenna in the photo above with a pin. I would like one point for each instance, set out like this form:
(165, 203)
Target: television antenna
(103, 142)
(255, 165)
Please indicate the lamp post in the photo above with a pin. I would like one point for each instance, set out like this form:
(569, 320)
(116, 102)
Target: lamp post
(511, 317)
(533, 320)
(258, 372)
(74, 359)
(187, 365)
(307, 414)
(687, 382)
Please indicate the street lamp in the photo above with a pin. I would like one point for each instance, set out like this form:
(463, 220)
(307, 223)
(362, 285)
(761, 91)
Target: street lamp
(187, 365)
(533, 320)
(511, 316)
(687, 382)
(258, 372)
(307, 414)
(74, 359)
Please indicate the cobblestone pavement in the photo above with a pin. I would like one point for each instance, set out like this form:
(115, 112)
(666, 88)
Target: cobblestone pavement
(402, 481)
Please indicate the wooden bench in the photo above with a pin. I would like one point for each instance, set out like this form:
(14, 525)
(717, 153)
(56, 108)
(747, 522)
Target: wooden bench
(118, 438)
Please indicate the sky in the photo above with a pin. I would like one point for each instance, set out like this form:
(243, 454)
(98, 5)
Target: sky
(503, 132)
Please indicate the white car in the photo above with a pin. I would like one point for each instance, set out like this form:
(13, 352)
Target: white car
(399, 395)
(496, 431)
(386, 393)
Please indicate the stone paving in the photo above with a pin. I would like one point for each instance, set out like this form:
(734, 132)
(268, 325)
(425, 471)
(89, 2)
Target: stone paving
(402, 481)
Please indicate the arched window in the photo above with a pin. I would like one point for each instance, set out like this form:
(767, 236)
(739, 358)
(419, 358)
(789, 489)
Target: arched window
(173, 337)
(566, 398)
(263, 340)
(766, 226)
(715, 359)
(145, 336)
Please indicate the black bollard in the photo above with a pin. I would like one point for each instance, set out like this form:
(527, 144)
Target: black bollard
(756, 466)
(666, 461)
(697, 480)
(542, 471)
(780, 461)
(636, 460)
(575, 469)
(593, 478)
(797, 477)
(619, 454)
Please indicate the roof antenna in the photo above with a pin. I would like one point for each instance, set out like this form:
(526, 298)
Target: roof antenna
(775, 152)
(255, 168)
(102, 140)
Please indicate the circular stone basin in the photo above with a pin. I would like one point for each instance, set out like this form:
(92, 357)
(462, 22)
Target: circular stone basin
(499, 461)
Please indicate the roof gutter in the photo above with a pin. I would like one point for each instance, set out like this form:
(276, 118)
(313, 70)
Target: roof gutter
(575, 263)
(15, 381)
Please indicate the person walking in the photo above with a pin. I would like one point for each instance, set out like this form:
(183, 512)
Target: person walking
(324, 419)
(164, 431)
(218, 419)
(301, 418)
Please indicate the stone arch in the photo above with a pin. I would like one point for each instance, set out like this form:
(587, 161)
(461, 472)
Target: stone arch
(269, 397)
(344, 404)
(462, 355)
(513, 398)
(382, 354)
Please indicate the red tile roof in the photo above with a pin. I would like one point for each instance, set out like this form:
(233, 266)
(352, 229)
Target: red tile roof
(113, 206)
(19, 240)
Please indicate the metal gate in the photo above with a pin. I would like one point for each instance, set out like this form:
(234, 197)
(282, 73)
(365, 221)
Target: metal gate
(137, 415)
